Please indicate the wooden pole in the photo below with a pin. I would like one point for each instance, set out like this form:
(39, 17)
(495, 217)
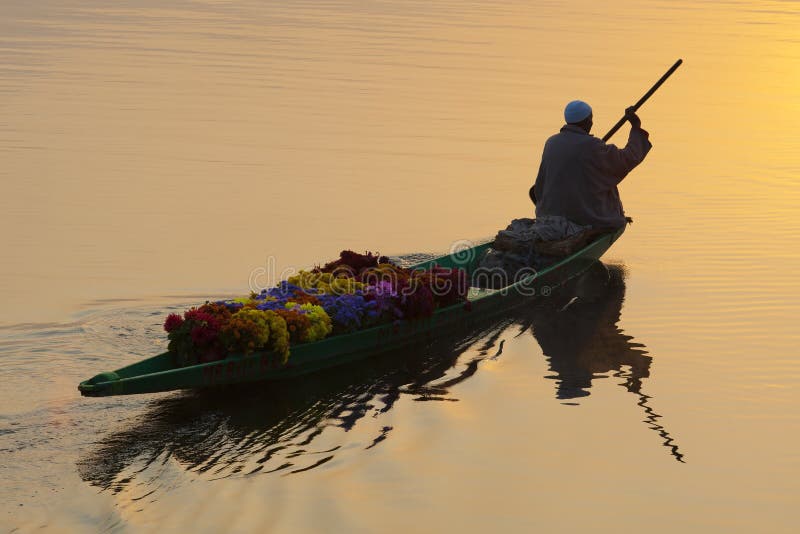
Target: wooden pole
(642, 100)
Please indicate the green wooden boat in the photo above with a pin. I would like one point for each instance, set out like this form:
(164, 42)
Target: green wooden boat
(160, 373)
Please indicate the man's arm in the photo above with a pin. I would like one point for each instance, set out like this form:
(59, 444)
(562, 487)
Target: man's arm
(535, 192)
(615, 163)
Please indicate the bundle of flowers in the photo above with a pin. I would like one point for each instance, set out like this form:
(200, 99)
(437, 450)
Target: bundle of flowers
(347, 312)
(415, 298)
(355, 292)
(297, 324)
(385, 302)
(353, 262)
(251, 329)
(327, 282)
(320, 324)
(212, 331)
(194, 338)
(448, 286)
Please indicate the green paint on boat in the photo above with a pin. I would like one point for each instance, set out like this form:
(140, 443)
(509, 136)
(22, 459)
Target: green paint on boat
(160, 373)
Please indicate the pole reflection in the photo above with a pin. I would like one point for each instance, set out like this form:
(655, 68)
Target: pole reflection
(294, 426)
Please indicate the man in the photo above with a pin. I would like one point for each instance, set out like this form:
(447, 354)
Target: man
(579, 173)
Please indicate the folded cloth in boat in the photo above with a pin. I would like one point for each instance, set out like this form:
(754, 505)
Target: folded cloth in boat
(524, 244)
(520, 235)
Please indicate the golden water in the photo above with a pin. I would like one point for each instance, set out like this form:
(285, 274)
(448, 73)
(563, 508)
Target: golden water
(157, 153)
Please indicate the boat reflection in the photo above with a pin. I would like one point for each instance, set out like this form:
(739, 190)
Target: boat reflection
(285, 427)
(298, 425)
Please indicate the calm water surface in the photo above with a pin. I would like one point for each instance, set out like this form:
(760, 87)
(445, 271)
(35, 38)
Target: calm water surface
(156, 154)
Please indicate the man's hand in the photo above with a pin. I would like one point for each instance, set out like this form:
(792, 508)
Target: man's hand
(633, 118)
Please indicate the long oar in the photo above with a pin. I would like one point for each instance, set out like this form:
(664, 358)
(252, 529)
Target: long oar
(642, 100)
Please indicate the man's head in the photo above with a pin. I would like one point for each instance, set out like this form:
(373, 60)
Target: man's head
(579, 113)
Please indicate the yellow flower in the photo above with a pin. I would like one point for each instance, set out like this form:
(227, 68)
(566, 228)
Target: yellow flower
(321, 324)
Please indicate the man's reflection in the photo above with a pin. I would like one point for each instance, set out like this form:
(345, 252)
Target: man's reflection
(581, 338)
(579, 334)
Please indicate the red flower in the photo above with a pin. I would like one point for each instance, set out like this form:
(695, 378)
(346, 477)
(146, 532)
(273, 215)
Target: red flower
(173, 322)
(353, 262)
(415, 299)
(220, 311)
(202, 335)
(201, 316)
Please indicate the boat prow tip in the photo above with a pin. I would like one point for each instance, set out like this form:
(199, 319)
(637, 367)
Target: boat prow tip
(99, 385)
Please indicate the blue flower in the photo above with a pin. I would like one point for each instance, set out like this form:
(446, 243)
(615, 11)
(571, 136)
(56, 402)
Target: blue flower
(271, 305)
(346, 311)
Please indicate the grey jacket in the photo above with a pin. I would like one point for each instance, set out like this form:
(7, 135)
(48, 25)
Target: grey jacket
(579, 174)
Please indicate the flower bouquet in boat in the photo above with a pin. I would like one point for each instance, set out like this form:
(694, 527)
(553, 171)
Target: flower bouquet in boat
(355, 292)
